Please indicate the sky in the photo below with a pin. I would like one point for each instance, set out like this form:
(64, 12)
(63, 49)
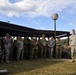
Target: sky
(37, 14)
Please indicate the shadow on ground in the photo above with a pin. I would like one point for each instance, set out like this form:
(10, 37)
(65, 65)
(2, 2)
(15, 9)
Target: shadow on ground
(15, 67)
(72, 73)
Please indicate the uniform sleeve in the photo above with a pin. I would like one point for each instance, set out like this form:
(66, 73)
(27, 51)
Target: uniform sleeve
(48, 43)
(69, 40)
(53, 44)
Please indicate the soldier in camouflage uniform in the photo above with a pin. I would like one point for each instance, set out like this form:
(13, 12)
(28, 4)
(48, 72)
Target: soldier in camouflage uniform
(72, 43)
(7, 47)
(1, 52)
(58, 48)
(43, 43)
(51, 44)
(34, 51)
(19, 48)
(12, 47)
(15, 49)
(26, 47)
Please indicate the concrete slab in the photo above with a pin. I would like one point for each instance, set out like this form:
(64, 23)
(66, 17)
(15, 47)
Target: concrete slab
(4, 72)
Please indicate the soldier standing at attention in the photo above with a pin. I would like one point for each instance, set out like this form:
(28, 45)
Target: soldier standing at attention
(43, 43)
(12, 47)
(1, 52)
(19, 48)
(58, 48)
(51, 44)
(72, 43)
(26, 47)
(34, 49)
(7, 47)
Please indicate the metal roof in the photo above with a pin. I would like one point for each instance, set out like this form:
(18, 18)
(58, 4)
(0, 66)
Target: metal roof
(16, 30)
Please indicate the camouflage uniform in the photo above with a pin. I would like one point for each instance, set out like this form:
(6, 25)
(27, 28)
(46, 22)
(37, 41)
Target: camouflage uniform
(7, 48)
(1, 53)
(34, 51)
(72, 43)
(58, 49)
(12, 47)
(15, 49)
(51, 44)
(43, 43)
(19, 49)
(26, 47)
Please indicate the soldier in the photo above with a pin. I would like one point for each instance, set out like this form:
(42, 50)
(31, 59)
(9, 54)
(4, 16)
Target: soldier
(26, 47)
(58, 48)
(34, 51)
(39, 49)
(1, 55)
(19, 48)
(51, 44)
(43, 43)
(7, 47)
(15, 49)
(1, 52)
(12, 47)
(72, 43)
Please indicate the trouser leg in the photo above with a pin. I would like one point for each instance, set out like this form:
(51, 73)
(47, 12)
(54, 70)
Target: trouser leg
(42, 51)
(7, 54)
(72, 52)
(56, 53)
(18, 54)
(22, 54)
(51, 52)
(32, 52)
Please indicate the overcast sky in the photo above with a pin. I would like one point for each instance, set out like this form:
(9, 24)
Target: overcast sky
(37, 13)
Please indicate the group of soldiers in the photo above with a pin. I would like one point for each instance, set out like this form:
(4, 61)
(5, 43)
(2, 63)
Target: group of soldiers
(21, 49)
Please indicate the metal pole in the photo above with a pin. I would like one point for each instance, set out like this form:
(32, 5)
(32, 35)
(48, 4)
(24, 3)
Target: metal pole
(55, 30)
(55, 37)
(55, 17)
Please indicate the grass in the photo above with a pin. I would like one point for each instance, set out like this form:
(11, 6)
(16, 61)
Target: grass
(40, 67)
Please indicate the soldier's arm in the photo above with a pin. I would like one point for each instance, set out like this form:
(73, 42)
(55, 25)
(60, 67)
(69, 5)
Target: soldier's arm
(69, 40)
(53, 44)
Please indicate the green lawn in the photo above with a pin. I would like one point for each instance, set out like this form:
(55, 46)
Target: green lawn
(40, 67)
